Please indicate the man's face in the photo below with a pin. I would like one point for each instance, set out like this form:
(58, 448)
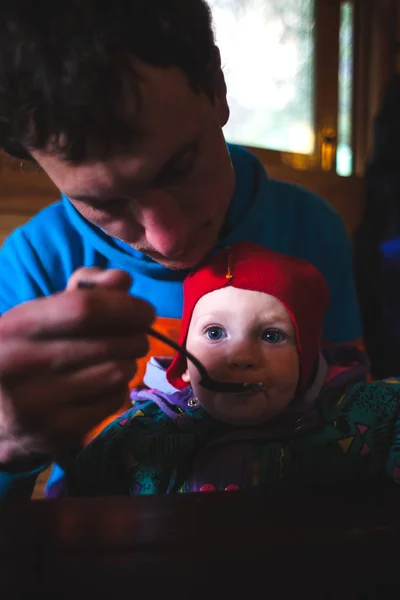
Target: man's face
(168, 195)
(244, 336)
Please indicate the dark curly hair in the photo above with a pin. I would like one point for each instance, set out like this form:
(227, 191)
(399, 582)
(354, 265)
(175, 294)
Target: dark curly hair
(64, 67)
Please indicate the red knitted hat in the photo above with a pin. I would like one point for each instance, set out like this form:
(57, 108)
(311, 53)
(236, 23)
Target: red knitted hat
(245, 265)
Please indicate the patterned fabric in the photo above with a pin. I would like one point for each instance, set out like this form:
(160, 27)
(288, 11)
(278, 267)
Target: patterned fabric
(166, 443)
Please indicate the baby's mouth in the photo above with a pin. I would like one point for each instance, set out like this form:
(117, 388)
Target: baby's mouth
(252, 392)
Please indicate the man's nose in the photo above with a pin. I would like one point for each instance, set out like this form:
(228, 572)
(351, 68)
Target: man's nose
(167, 228)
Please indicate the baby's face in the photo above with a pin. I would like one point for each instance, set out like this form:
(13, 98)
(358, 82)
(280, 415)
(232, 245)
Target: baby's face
(244, 336)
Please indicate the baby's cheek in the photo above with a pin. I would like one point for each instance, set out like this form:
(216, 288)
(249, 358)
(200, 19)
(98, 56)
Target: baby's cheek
(283, 367)
(291, 365)
(193, 374)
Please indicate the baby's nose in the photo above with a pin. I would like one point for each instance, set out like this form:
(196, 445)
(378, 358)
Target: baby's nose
(245, 358)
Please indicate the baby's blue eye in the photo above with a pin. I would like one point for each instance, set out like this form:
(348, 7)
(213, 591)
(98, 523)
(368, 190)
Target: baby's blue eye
(215, 333)
(274, 336)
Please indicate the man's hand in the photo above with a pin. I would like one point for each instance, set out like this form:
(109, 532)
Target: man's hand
(66, 362)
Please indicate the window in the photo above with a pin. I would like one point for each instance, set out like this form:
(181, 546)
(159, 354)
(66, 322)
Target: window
(288, 67)
(346, 64)
(268, 59)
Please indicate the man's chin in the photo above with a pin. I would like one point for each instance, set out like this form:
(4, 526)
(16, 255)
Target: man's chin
(176, 264)
(187, 260)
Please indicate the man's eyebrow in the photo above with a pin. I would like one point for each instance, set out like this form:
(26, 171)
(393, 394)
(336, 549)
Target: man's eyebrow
(169, 165)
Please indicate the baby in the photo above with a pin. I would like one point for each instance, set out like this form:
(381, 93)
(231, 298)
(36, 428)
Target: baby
(250, 315)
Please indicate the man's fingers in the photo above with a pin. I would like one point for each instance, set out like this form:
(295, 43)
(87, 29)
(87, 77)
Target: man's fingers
(98, 379)
(67, 427)
(58, 357)
(66, 361)
(111, 378)
(64, 356)
(42, 407)
(115, 279)
(80, 313)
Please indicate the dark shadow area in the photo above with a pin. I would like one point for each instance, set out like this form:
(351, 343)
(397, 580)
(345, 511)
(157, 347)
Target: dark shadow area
(377, 241)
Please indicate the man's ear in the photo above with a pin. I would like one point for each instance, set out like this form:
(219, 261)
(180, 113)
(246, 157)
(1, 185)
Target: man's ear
(220, 91)
(185, 376)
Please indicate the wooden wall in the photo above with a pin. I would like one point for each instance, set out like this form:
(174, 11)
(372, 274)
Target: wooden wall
(23, 192)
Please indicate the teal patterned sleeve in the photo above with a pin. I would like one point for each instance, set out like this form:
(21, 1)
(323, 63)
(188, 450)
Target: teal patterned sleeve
(393, 458)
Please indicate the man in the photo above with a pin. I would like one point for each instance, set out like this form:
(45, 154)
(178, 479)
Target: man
(123, 105)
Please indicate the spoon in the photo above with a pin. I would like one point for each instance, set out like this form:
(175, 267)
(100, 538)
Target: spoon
(206, 381)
